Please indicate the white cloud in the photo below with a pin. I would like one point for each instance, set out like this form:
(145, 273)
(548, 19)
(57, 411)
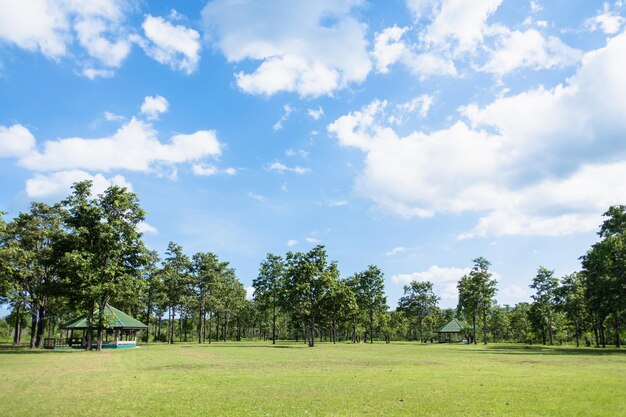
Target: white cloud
(112, 117)
(153, 106)
(310, 48)
(444, 280)
(147, 229)
(58, 184)
(512, 294)
(316, 114)
(503, 165)
(420, 8)
(282, 168)
(134, 147)
(607, 20)
(420, 105)
(287, 110)
(209, 170)
(530, 49)
(16, 141)
(395, 251)
(93, 73)
(292, 242)
(51, 26)
(338, 203)
(459, 24)
(173, 45)
(389, 48)
(256, 196)
(296, 152)
(312, 240)
(249, 293)
(535, 6)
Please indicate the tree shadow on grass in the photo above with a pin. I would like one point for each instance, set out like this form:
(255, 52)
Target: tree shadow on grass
(217, 345)
(9, 349)
(548, 350)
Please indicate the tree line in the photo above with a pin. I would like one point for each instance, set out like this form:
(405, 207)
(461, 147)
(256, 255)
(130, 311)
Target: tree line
(75, 257)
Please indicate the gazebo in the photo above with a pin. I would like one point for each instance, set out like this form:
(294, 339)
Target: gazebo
(120, 326)
(452, 332)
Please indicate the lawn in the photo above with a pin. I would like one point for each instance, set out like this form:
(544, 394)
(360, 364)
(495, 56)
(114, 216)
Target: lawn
(258, 379)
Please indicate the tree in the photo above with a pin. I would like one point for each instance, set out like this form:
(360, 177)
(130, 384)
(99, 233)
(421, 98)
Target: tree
(308, 281)
(154, 294)
(545, 285)
(571, 299)
(176, 270)
(369, 287)
(268, 286)
(476, 294)
(205, 271)
(418, 300)
(30, 249)
(105, 248)
(604, 271)
(340, 305)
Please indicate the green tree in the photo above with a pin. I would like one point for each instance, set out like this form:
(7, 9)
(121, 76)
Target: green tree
(545, 285)
(418, 300)
(309, 278)
(268, 287)
(476, 294)
(176, 279)
(604, 269)
(106, 249)
(571, 299)
(370, 295)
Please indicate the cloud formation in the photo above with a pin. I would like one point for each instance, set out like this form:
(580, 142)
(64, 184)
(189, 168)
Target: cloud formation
(309, 48)
(501, 161)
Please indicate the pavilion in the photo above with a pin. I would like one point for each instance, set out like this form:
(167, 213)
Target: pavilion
(452, 332)
(119, 325)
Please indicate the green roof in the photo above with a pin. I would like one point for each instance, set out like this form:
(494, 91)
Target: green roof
(115, 318)
(454, 326)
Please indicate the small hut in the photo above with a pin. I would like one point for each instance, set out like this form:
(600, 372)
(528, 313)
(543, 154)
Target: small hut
(452, 332)
(120, 331)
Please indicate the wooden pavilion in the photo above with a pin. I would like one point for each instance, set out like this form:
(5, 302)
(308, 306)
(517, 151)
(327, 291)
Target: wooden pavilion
(120, 328)
(452, 332)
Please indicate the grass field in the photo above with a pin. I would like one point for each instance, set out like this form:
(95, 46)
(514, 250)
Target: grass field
(258, 379)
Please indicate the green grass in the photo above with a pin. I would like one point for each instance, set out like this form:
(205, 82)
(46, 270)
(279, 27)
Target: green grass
(257, 379)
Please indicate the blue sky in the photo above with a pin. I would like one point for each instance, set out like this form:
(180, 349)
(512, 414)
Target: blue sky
(415, 135)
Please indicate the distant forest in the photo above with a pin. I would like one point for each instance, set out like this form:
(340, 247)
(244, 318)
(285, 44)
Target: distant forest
(75, 257)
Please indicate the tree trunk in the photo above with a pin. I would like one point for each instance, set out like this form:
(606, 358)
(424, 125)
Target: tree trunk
(33, 324)
(421, 320)
(312, 340)
(100, 322)
(274, 324)
(225, 326)
(41, 324)
(474, 327)
(550, 336)
(89, 336)
(17, 333)
(484, 325)
(371, 323)
(602, 335)
(210, 327)
(618, 342)
(201, 323)
(576, 330)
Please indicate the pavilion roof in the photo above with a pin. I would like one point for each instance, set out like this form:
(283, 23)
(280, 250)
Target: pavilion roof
(455, 326)
(115, 319)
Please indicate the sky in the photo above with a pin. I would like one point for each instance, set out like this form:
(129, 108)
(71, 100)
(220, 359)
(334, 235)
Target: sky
(414, 135)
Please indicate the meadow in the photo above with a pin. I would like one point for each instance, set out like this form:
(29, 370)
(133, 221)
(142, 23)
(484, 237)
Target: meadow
(289, 379)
